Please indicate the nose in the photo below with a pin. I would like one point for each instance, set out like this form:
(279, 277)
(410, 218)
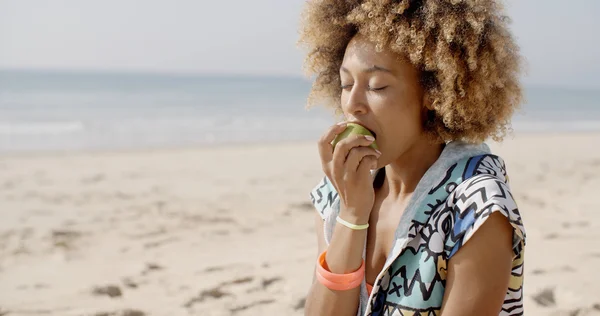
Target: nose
(354, 102)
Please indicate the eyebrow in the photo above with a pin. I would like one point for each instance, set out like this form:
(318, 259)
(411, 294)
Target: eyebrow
(374, 68)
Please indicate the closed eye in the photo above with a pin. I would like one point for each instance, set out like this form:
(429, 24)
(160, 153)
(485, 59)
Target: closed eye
(377, 89)
(346, 86)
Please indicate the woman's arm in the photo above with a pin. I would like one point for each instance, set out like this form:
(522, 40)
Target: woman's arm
(478, 274)
(344, 255)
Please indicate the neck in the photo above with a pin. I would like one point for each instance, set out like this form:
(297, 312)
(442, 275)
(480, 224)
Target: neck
(403, 175)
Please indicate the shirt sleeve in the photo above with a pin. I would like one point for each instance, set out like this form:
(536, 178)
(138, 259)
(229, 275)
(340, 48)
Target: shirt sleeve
(323, 196)
(473, 201)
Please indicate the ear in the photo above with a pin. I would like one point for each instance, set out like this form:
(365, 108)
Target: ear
(427, 102)
(426, 105)
(428, 111)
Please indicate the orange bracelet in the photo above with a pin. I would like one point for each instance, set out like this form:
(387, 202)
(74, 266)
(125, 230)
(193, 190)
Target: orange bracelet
(337, 286)
(337, 281)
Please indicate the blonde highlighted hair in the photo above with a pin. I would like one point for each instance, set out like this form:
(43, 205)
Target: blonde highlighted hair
(469, 61)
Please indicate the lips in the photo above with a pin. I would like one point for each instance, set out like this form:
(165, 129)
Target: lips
(374, 134)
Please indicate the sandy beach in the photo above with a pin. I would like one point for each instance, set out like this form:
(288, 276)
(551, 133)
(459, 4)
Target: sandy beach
(229, 230)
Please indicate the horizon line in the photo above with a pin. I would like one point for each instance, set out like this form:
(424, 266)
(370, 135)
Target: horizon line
(199, 74)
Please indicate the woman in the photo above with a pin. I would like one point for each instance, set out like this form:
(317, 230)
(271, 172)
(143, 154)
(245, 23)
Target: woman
(426, 224)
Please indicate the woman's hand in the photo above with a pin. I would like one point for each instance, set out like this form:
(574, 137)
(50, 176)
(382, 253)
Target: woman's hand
(348, 167)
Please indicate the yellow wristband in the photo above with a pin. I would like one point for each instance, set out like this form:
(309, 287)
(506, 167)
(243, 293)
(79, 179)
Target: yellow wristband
(352, 226)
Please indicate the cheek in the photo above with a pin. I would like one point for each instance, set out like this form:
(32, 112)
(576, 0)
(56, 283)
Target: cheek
(344, 101)
(400, 118)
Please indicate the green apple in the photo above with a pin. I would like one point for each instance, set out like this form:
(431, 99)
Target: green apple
(353, 129)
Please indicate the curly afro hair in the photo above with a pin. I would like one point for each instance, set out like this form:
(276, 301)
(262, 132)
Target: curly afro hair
(469, 61)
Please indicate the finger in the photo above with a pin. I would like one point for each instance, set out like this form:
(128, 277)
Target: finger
(342, 149)
(357, 154)
(365, 166)
(325, 147)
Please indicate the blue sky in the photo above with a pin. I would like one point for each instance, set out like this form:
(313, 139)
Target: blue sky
(560, 39)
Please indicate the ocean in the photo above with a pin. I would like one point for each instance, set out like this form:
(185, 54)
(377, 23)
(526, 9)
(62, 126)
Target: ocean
(57, 111)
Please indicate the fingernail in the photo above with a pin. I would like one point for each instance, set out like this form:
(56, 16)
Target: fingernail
(378, 152)
(369, 138)
(341, 123)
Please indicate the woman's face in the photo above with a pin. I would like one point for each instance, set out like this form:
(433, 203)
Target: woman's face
(382, 92)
